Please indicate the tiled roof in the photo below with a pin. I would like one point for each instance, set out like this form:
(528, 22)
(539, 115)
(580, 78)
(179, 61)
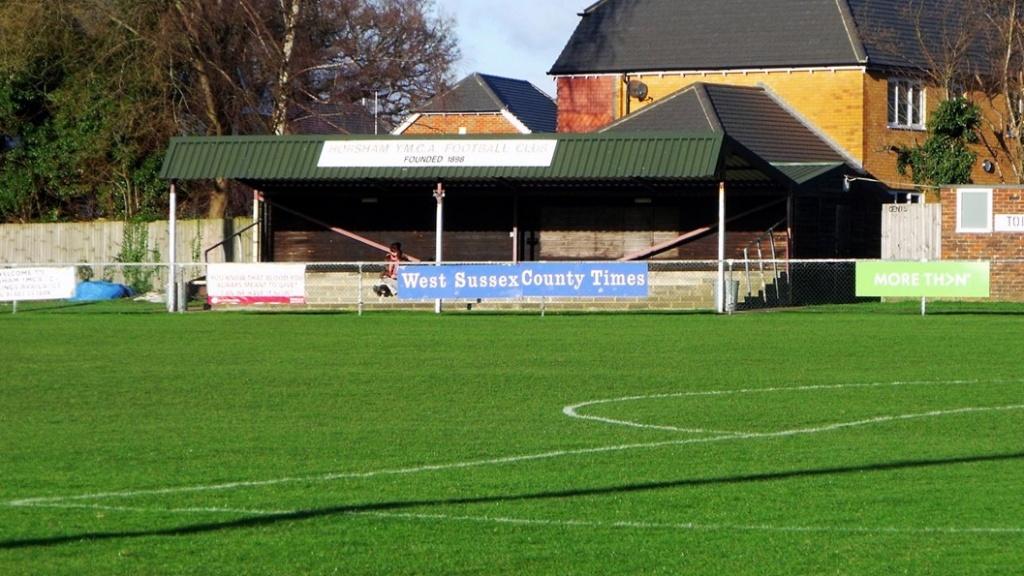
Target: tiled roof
(668, 35)
(480, 93)
(334, 119)
(911, 33)
(747, 115)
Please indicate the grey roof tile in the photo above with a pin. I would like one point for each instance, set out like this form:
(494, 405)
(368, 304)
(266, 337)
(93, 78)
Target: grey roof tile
(320, 118)
(656, 35)
(669, 35)
(481, 93)
(749, 115)
(912, 33)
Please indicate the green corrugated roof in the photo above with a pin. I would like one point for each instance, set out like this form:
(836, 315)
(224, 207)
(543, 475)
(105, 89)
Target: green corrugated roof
(577, 157)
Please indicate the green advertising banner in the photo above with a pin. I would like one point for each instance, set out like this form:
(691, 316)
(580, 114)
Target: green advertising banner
(919, 279)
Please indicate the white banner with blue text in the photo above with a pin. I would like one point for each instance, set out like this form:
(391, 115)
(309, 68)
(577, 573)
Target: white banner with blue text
(533, 279)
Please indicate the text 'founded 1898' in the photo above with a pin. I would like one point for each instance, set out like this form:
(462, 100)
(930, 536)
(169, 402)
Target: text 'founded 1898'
(413, 153)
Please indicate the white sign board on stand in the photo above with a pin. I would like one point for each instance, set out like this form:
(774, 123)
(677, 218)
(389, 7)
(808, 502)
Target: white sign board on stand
(245, 284)
(22, 284)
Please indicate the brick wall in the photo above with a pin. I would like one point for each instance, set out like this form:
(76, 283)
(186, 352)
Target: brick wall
(849, 106)
(585, 104)
(458, 123)
(1007, 280)
(879, 140)
(833, 101)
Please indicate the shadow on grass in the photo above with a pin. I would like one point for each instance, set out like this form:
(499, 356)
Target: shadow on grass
(301, 515)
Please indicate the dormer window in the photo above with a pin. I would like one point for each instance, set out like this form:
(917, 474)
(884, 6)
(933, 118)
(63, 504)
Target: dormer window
(906, 104)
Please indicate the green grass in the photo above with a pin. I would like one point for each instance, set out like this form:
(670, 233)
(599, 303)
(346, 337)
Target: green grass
(862, 440)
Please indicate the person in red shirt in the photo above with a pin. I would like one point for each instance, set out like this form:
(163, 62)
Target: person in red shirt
(388, 283)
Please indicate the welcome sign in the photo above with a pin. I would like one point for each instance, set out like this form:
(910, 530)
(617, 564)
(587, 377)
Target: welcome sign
(923, 279)
(608, 280)
(37, 283)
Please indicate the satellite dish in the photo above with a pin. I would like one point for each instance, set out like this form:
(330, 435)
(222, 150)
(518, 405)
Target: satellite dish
(637, 89)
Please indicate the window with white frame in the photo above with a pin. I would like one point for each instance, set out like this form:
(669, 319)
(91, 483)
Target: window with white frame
(974, 210)
(906, 104)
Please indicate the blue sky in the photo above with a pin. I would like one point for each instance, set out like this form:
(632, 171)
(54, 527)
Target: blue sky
(517, 39)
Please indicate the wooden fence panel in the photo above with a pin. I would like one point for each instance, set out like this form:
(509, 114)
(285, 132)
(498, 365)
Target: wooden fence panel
(103, 242)
(912, 232)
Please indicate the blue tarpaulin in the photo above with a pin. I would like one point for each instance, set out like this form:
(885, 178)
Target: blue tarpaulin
(86, 291)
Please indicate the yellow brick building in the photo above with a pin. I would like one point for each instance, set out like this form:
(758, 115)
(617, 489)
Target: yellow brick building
(854, 71)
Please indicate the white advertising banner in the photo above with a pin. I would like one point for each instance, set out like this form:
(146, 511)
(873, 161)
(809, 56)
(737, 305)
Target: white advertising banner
(17, 284)
(246, 284)
(410, 153)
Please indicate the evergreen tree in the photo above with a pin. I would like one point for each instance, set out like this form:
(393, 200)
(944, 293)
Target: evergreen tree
(945, 156)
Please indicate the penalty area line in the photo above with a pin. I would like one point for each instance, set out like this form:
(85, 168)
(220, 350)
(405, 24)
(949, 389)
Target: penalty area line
(75, 500)
(57, 501)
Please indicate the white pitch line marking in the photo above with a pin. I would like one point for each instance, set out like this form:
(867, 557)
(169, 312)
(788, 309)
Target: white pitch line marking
(146, 510)
(572, 411)
(689, 525)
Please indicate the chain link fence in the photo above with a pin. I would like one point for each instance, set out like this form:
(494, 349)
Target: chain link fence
(671, 286)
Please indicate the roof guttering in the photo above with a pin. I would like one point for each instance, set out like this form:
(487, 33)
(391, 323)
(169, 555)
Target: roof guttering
(720, 72)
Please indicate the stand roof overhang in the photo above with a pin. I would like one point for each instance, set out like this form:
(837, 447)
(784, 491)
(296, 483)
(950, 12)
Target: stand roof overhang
(293, 163)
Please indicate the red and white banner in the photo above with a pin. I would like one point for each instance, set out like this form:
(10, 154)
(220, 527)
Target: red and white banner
(245, 284)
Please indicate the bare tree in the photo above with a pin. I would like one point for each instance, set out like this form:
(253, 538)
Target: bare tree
(1001, 83)
(255, 59)
(932, 39)
(973, 48)
(261, 66)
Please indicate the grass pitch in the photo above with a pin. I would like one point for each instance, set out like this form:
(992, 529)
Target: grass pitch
(850, 441)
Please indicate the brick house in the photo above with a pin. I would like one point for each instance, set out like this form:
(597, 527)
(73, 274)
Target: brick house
(855, 73)
(987, 222)
(822, 219)
(849, 69)
(485, 104)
